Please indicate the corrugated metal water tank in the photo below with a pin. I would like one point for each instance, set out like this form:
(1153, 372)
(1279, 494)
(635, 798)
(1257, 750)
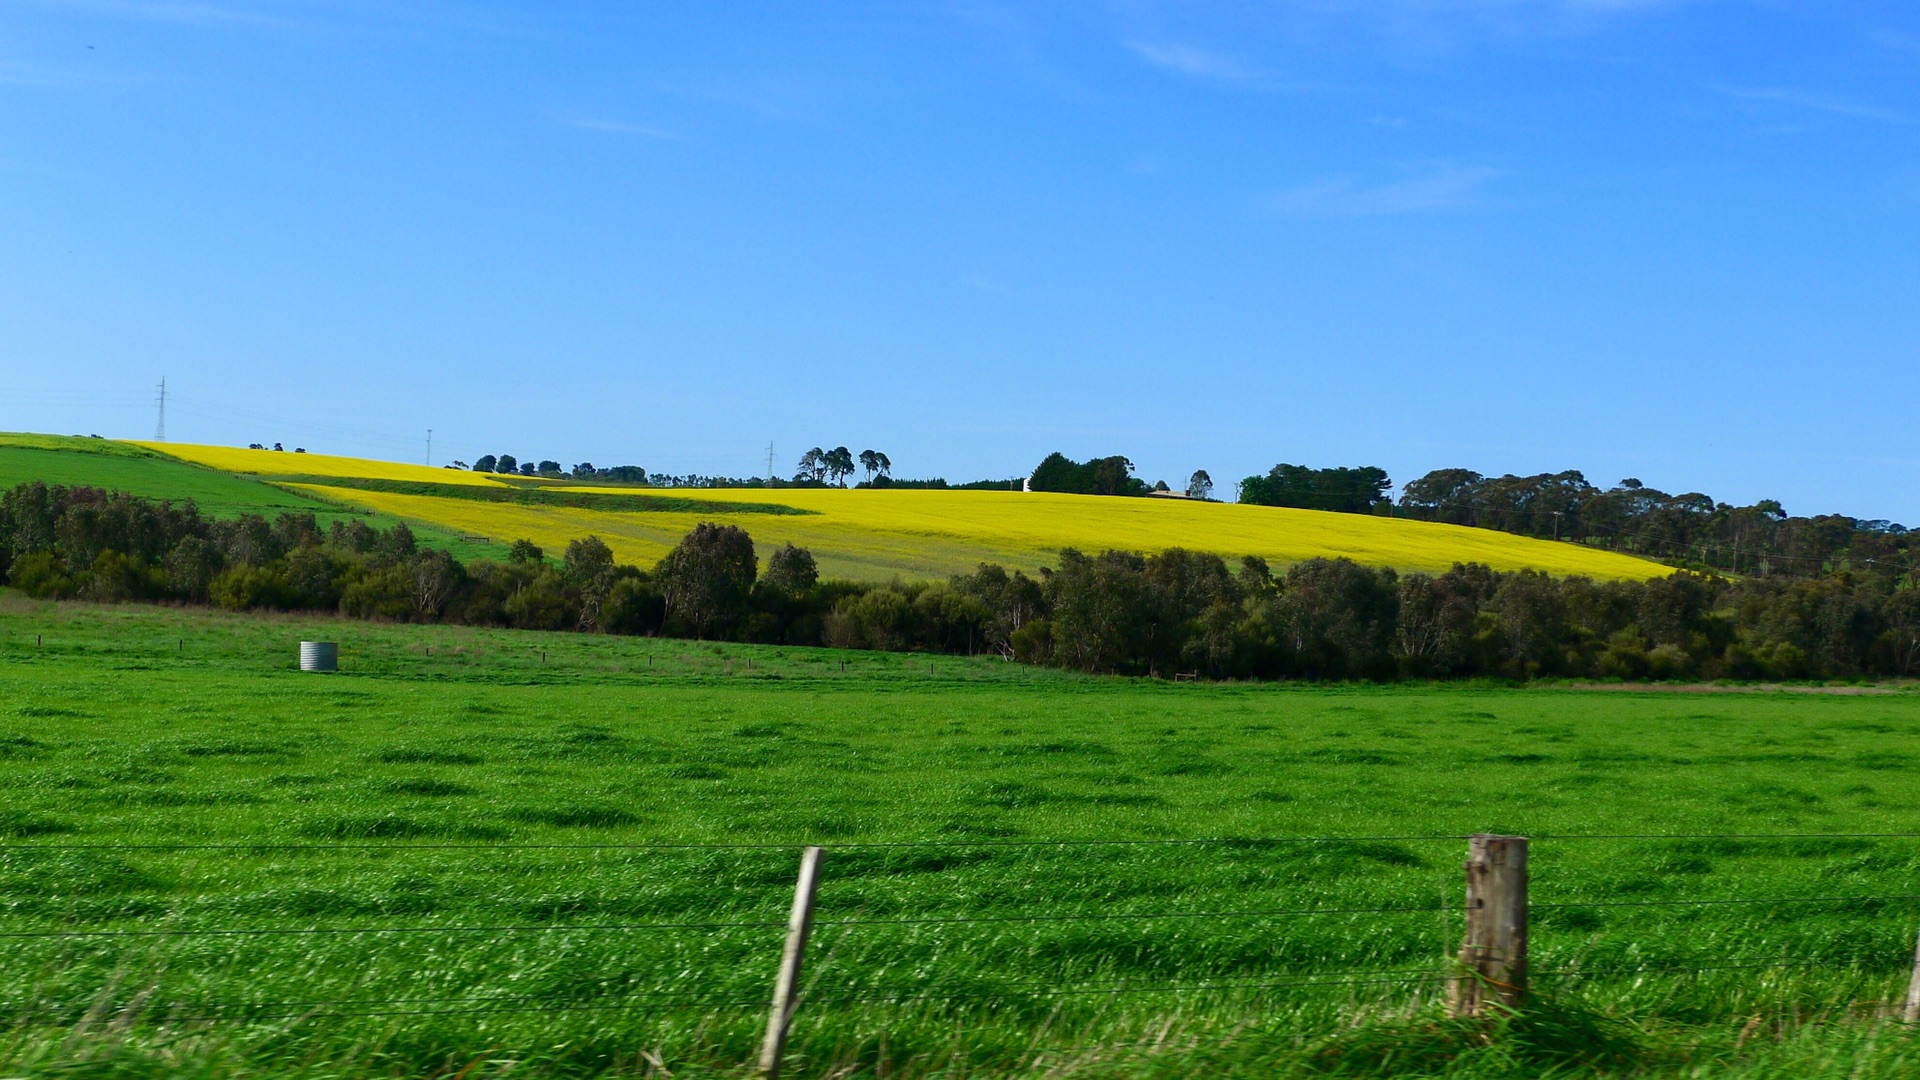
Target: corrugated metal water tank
(319, 656)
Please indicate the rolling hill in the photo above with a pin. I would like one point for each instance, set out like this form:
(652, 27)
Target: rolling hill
(856, 534)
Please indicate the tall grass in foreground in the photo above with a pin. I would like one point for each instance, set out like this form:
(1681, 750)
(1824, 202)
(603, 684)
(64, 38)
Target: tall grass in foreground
(416, 836)
(1804, 1035)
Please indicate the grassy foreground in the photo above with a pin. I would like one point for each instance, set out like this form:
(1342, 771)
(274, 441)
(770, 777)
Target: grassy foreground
(443, 863)
(878, 535)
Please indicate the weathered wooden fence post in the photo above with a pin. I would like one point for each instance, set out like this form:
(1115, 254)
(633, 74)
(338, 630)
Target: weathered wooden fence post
(1492, 966)
(1912, 1013)
(798, 925)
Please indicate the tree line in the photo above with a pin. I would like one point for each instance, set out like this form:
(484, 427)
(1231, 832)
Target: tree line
(1341, 490)
(817, 468)
(508, 465)
(1691, 529)
(1116, 612)
(1112, 475)
(831, 468)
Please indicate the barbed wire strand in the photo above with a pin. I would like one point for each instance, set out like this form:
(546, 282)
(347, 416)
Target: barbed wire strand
(236, 1010)
(342, 1009)
(268, 845)
(647, 995)
(298, 931)
(1738, 900)
(928, 920)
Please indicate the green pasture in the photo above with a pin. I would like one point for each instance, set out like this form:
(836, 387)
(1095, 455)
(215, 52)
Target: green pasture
(118, 466)
(462, 856)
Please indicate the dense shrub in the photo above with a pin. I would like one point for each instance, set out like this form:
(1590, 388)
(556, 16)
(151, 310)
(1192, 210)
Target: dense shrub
(1176, 611)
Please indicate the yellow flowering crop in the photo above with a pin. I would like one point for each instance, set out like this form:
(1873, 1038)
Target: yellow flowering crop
(270, 463)
(876, 535)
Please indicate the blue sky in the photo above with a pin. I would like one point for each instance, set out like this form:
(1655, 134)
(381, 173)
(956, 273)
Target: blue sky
(1670, 240)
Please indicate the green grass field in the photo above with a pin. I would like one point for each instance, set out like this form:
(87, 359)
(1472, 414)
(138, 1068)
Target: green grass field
(119, 466)
(441, 863)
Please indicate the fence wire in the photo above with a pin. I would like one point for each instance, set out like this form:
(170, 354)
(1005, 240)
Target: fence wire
(994, 993)
(882, 845)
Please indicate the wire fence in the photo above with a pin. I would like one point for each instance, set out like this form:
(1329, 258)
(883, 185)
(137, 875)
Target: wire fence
(1088, 968)
(1239, 841)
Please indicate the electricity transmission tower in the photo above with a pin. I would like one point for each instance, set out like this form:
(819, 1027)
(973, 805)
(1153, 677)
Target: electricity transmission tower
(160, 428)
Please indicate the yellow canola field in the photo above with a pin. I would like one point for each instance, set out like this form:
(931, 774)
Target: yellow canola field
(876, 535)
(843, 549)
(286, 463)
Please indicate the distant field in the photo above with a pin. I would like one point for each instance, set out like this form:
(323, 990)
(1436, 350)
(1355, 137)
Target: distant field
(151, 476)
(283, 463)
(126, 467)
(443, 906)
(876, 535)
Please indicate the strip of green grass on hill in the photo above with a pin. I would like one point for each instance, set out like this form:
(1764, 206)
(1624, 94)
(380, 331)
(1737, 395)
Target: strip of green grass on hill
(529, 495)
(984, 947)
(118, 466)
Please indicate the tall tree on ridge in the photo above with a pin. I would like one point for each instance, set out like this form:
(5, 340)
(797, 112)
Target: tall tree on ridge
(839, 463)
(813, 466)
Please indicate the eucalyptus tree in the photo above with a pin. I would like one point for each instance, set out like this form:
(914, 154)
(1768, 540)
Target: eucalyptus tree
(839, 463)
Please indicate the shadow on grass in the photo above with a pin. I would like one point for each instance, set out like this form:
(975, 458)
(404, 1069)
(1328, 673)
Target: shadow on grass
(1548, 1039)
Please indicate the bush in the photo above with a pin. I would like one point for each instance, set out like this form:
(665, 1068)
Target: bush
(382, 593)
(633, 606)
(42, 575)
(245, 588)
(1033, 643)
(117, 578)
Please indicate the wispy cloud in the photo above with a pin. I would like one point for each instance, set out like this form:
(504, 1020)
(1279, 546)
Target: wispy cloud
(1191, 61)
(51, 76)
(1447, 188)
(617, 127)
(1891, 39)
(985, 284)
(198, 13)
(1794, 97)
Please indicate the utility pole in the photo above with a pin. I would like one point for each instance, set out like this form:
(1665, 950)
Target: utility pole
(429, 447)
(160, 429)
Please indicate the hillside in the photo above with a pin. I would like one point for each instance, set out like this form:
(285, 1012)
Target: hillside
(861, 535)
(121, 466)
